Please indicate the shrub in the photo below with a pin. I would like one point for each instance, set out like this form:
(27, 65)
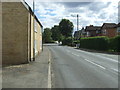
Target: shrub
(114, 43)
(76, 41)
(67, 41)
(96, 43)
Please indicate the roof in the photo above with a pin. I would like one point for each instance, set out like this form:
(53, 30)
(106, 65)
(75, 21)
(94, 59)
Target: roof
(92, 28)
(109, 25)
(118, 25)
(30, 10)
(77, 32)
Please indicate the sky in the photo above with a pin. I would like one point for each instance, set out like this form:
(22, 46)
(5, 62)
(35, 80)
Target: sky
(90, 12)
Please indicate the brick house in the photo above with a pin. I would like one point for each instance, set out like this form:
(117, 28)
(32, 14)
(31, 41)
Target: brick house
(109, 29)
(21, 33)
(118, 29)
(92, 31)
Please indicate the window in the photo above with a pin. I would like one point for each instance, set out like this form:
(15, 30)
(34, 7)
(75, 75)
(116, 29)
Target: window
(118, 29)
(35, 26)
(97, 31)
(104, 31)
(35, 43)
(88, 33)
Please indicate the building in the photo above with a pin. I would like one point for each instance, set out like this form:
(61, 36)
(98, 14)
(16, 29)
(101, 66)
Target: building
(0, 34)
(109, 29)
(118, 29)
(77, 34)
(83, 33)
(21, 33)
(92, 31)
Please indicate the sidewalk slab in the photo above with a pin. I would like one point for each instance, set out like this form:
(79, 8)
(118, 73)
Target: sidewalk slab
(31, 75)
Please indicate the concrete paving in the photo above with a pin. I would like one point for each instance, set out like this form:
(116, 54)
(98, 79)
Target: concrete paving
(32, 75)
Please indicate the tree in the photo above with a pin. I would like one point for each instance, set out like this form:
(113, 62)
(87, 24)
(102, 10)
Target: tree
(47, 35)
(66, 27)
(56, 33)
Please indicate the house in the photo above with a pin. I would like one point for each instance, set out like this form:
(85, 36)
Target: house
(109, 29)
(83, 33)
(77, 34)
(92, 31)
(118, 29)
(21, 33)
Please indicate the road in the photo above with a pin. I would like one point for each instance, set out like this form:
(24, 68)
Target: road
(73, 68)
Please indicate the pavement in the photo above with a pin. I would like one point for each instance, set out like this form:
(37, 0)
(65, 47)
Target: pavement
(73, 68)
(31, 75)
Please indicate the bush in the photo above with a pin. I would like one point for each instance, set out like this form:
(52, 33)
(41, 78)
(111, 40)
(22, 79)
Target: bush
(67, 41)
(96, 43)
(114, 43)
(76, 41)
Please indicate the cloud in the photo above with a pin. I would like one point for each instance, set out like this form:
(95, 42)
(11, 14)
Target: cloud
(96, 13)
(74, 4)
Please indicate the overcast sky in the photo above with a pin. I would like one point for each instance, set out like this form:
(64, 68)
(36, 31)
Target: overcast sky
(90, 13)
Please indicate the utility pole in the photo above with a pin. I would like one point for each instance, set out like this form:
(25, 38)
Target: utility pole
(77, 22)
(78, 26)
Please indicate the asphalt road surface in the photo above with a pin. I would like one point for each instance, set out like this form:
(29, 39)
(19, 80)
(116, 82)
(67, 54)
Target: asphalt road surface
(73, 68)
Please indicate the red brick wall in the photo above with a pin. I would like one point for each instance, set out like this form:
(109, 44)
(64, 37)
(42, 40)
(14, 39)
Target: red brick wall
(111, 32)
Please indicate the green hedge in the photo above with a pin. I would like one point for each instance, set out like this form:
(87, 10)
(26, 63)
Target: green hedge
(67, 41)
(96, 43)
(114, 44)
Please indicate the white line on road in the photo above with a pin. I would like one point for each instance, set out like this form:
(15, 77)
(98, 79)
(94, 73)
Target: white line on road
(75, 54)
(100, 56)
(115, 69)
(95, 64)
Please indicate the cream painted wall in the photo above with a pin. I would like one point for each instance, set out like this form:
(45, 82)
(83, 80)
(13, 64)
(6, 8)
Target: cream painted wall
(32, 37)
(38, 37)
(0, 33)
(15, 33)
(18, 34)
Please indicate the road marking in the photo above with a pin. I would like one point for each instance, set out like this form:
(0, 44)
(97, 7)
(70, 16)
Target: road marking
(108, 58)
(101, 56)
(75, 54)
(115, 70)
(49, 71)
(95, 64)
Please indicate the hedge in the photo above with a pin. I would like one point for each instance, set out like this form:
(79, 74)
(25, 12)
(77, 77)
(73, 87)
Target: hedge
(114, 44)
(67, 41)
(95, 43)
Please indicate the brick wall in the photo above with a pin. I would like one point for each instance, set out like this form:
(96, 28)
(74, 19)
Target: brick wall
(111, 32)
